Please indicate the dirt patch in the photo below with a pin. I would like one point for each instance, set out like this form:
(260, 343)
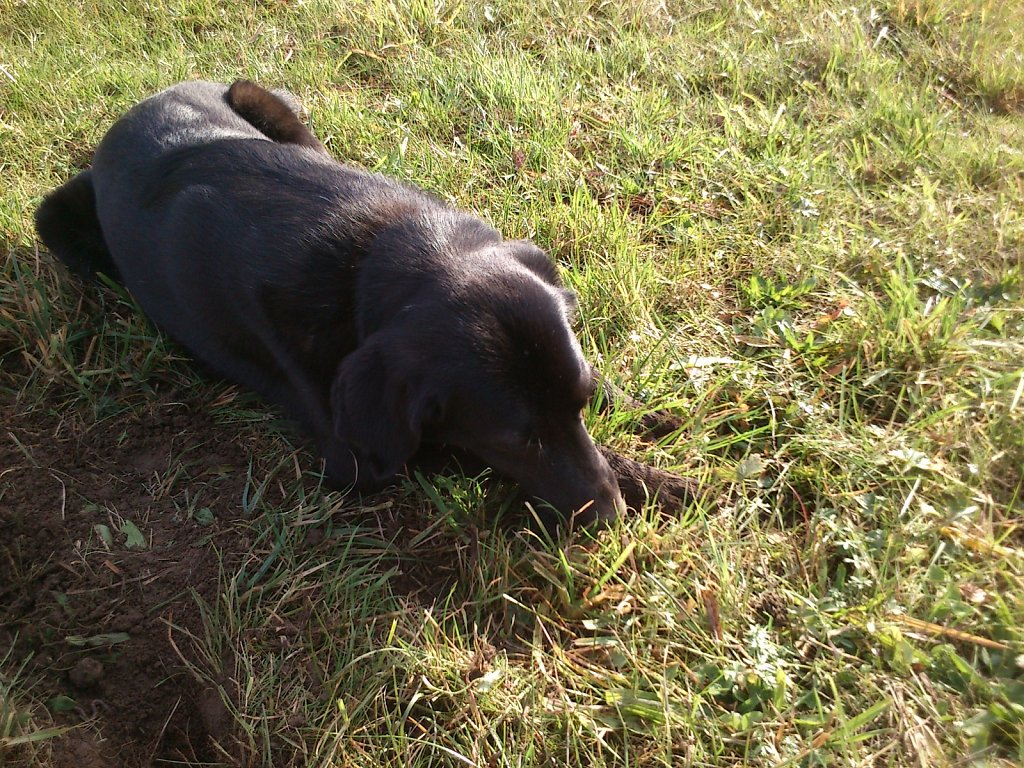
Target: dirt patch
(100, 549)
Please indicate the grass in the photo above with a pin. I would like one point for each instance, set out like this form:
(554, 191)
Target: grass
(799, 225)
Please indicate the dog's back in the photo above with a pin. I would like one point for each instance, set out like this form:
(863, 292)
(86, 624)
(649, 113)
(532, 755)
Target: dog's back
(67, 220)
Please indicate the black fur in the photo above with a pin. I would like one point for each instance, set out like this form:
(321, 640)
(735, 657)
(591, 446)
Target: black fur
(382, 318)
(270, 114)
(67, 223)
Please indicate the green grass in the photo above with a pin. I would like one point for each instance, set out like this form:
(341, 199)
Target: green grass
(799, 225)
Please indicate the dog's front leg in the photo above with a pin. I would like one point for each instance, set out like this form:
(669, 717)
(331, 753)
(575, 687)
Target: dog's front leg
(306, 400)
(639, 483)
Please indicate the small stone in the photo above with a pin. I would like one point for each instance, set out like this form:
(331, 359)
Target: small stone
(125, 622)
(86, 673)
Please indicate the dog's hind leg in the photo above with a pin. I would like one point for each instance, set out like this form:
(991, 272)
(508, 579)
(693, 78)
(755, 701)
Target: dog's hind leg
(270, 114)
(67, 224)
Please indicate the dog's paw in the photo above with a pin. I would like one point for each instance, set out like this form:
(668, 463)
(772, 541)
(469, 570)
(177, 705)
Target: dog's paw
(639, 483)
(654, 425)
(671, 491)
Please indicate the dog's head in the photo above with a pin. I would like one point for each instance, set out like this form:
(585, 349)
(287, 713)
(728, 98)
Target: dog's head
(486, 362)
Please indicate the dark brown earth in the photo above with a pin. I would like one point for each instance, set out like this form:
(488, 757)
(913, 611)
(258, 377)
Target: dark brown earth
(94, 619)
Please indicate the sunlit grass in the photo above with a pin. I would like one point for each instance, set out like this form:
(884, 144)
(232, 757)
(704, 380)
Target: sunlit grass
(800, 227)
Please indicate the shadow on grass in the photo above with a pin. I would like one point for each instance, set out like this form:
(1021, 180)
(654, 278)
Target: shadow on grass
(160, 528)
(110, 442)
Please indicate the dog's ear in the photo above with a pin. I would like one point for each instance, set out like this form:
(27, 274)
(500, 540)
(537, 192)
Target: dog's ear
(535, 260)
(572, 304)
(543, 266)
(380, 407)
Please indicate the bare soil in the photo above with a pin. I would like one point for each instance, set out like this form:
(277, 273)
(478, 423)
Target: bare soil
(92, 613)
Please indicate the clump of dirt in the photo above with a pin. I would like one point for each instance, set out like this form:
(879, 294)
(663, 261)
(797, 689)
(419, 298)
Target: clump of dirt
(772, 606)
(99, 555)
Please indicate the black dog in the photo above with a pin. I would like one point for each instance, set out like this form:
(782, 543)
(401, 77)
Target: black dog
(379, 316)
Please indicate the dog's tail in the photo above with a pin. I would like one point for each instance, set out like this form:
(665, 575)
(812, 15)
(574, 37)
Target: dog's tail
(270, 114)
(67, 224)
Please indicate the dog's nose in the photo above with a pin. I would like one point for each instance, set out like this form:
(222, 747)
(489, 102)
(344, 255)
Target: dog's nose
(606, 507)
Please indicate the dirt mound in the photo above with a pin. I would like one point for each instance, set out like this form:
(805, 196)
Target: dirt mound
(106, 529)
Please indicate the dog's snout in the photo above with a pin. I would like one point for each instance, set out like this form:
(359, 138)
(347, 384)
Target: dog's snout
(578, 484)
(606, 506)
